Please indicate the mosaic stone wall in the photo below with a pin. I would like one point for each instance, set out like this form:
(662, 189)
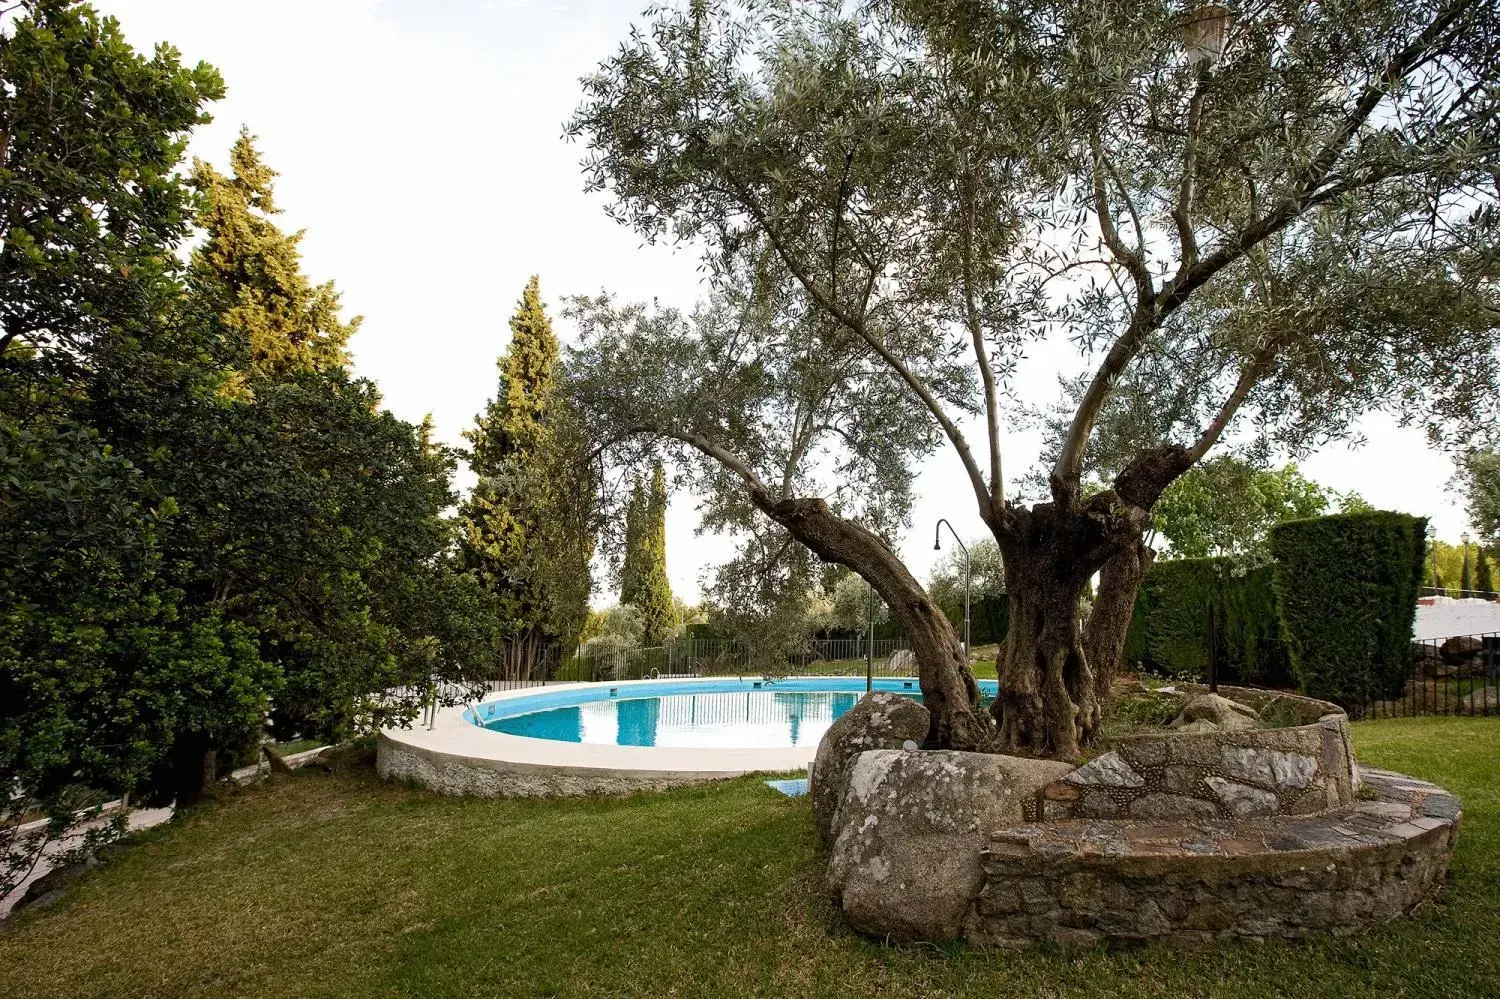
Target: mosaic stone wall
(1296, 770)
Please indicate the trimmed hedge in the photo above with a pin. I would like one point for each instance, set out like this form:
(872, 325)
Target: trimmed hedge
(989, 618)
(1346, 591)
(1169, 629)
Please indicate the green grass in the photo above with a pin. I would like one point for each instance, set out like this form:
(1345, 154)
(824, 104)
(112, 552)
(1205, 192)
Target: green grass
(341, 885)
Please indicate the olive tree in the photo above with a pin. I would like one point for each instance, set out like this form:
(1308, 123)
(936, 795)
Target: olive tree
(1273, 217)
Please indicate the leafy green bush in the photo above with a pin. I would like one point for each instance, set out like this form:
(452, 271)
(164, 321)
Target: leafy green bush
(1169, 633)
(1346, 593)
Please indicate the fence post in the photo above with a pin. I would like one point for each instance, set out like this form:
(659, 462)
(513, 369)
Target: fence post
(1213, 653)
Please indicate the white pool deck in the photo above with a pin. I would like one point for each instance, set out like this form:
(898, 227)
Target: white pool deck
(455, 739)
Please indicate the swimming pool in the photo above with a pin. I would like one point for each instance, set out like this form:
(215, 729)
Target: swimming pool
(731, 713)
(763, 728)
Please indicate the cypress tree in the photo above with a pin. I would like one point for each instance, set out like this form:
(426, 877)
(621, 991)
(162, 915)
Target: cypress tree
(635, 522)
(253, 272)
(526, 525)
(1466, 576)
(655, 598)
(1484, 582)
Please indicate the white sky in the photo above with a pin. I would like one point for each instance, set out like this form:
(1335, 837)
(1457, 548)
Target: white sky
(419, 144)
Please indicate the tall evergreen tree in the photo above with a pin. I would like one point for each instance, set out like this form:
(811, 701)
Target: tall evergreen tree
(1466, 577)
(1484, 581)
(284, 322)
(655, 597)
(527, 525)
(635, 526)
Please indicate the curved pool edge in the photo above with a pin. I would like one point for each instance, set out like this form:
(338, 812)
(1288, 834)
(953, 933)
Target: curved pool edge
(458, 757)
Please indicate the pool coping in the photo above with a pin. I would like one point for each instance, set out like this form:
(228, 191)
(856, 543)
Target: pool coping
(455, 742)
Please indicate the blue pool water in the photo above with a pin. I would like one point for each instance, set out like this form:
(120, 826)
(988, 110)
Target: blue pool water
(721, 714)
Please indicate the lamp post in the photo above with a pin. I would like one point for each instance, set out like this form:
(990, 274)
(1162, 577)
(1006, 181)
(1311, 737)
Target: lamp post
(1432, 549)
(937, 545)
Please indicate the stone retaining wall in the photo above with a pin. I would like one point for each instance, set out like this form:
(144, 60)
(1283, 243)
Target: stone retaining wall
(1191, 881)
(447, 774)
(1296, 770)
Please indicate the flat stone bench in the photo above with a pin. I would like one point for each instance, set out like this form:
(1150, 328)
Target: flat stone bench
(1190, 881)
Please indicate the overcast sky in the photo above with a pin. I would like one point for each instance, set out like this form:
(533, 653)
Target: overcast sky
(419, 144)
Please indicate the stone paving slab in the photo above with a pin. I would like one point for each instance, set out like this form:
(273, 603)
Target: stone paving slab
(1405, 807)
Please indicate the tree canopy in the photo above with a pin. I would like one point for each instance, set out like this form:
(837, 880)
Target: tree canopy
(1226, 506)
(91, 133)
(898, 201)
(206, 518)
(1478, 481)
(987, 580)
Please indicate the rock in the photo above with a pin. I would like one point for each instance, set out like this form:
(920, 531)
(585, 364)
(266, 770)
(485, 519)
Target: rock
(903, 662)
(1460, 648)
(1109, 770)
(1268, 767)
(906, 862)
(50, 886)
(1475, 667)
(878, 721)
(1483, 701)
(1171, 806)
(1242, 800)
(1212, 713)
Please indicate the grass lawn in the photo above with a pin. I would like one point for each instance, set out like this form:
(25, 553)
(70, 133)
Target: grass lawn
(319, 885)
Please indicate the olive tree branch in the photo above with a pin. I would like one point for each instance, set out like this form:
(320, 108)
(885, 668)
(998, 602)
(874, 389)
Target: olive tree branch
(856, 325)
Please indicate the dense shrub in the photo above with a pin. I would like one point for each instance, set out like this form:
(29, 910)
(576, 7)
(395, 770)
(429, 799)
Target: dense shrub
(1169, 632)
(1346, 591)
(989, 618)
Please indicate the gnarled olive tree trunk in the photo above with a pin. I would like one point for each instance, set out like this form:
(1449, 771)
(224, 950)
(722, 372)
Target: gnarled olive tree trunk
(948, 688)
(1047, 703)
(1114, 605)
(1055, 672)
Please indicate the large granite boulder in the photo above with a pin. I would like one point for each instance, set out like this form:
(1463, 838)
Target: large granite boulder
(906, 862)
(1485, 700)
(878, 721)
(1212, 713)
(903, 662)
(1460, 648)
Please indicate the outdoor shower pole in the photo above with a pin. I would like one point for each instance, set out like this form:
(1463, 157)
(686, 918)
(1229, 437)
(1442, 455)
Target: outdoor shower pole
(937, 545)
(870, 644)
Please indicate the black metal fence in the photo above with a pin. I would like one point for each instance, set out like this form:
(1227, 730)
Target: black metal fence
(1450, 676)
(731, 657)
(1446, 676)
(1453, 676)
(530, 663)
